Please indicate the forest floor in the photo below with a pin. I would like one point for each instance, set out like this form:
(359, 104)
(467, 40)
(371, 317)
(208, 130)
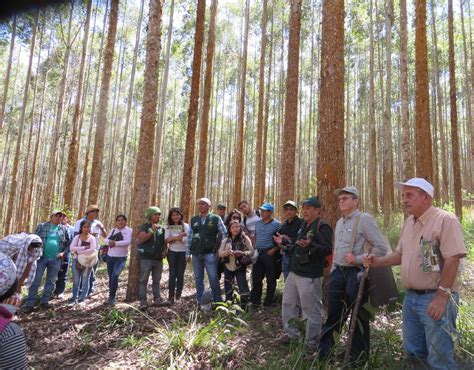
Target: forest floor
(179, 336)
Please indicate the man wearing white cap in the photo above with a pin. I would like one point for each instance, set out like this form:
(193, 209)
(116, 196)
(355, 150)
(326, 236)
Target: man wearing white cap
(429, 251)
(202, 242)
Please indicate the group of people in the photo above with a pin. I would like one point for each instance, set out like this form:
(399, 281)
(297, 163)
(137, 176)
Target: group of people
(430, 252)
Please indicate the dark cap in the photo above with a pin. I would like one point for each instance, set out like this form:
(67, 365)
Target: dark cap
(312, 201)
(221, 206)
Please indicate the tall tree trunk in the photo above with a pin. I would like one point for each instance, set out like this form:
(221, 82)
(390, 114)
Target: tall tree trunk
(74, 143)
(7, 74)
(202, 164)
(388, 192)
(331, 108)
(118, 204)
(142, 185)
(439, 108)
(188, 167)
(21, 124)
(239, 153)
(259, 176)
(287, 174)
(424, 164)
(454, 116)
(372, 128)
(98, 156)
(408, 170)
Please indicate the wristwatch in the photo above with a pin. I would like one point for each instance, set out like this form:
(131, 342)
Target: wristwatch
(446, 290)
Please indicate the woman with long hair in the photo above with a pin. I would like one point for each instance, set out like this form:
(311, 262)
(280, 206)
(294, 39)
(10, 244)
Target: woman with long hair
(85, 257)
(118, 241)
(237, 251)
(233, 215)
(175, 236)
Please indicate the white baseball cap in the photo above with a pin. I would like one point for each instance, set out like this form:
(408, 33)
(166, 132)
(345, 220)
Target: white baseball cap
(419, 183)
(205, 200)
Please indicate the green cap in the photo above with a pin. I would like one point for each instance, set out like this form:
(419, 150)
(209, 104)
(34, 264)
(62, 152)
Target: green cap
(152, 211)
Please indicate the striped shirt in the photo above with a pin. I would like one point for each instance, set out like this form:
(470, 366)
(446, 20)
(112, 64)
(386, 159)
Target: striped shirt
(12, 348)
(264, 232)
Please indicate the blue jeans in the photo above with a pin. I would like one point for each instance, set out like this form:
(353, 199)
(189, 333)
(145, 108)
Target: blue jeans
(62, 276)
(52, 265)
(91, 286)
(115, 266)
(80, 282)
(206, 261)
(425, 338)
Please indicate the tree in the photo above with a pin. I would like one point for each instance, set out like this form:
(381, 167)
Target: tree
(21, 124)
(424, 165)
(202, 164)
(142, 185)
(98, 155)
(372, 128)
(188, 166)
(287, 190)
(330, 166)
(239, 148)
(454, 116)
(259, 175)
(7, 74)
(70, 180)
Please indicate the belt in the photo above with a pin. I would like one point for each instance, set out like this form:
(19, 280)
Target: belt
(340, 267)
(263, 250)
(422, 291)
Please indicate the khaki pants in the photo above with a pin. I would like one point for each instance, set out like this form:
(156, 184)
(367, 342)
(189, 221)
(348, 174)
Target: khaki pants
(305, 293)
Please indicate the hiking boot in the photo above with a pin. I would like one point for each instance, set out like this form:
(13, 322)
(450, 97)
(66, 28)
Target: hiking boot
(170, 302)
(143, 306)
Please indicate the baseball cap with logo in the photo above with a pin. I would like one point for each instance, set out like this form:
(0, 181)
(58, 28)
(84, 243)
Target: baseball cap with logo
(417, 182)
(290, 203)
(267, 207)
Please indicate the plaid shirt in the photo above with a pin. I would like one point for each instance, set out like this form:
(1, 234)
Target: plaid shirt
(16, 247)
(42, 230)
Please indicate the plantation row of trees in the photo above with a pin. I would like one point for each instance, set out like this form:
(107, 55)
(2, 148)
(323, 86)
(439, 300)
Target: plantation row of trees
(131, 103)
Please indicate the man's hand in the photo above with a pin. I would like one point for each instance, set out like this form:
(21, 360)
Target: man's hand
(278, 238)
(154, 227)
(350, 258)
(60, 255)
(303, 242)
(437, 307)
(112, 243)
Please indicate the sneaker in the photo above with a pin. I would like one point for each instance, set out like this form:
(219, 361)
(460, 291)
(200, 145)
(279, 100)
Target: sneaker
(285, 340)
(170, 302)
(143, 306)
(81, 304)
(60, 296)
(158, 302)
(72, 303)
(45, 306)
(111, 301)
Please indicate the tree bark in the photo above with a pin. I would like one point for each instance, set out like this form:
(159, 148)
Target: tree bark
(202, 164)
(7, 74)
(142, 185)
(424, 165)
(287, 174)
(21, 124)
(239, 153)
(330, 167)
(188, 167)
(74, 143)
(454, 116)
(372, 128)
(98, 154)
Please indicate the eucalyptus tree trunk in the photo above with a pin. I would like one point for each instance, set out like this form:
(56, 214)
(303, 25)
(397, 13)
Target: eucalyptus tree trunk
(239, 148)
(372, 128)
(21, 123)
(454, 116)
(287, 159)
(74, 143)
(142, 185)
(202, 163)
(188, 167)
(424, 155)
(98, 154)
(7, 74)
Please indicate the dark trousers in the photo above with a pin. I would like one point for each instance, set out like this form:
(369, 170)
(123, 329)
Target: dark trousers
(177, 266)
(115, 266)
(241, 275)
(343, 287)
(265, 267)
(62, 277)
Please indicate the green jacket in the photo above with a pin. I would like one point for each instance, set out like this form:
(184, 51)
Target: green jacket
(204, 235)
(309, 261)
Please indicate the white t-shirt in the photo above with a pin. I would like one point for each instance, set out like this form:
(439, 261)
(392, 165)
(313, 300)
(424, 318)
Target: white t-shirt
(95, 229)
(250, 222)
(174, 230)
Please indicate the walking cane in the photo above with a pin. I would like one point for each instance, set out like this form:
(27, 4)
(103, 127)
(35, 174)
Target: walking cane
(355, 312)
